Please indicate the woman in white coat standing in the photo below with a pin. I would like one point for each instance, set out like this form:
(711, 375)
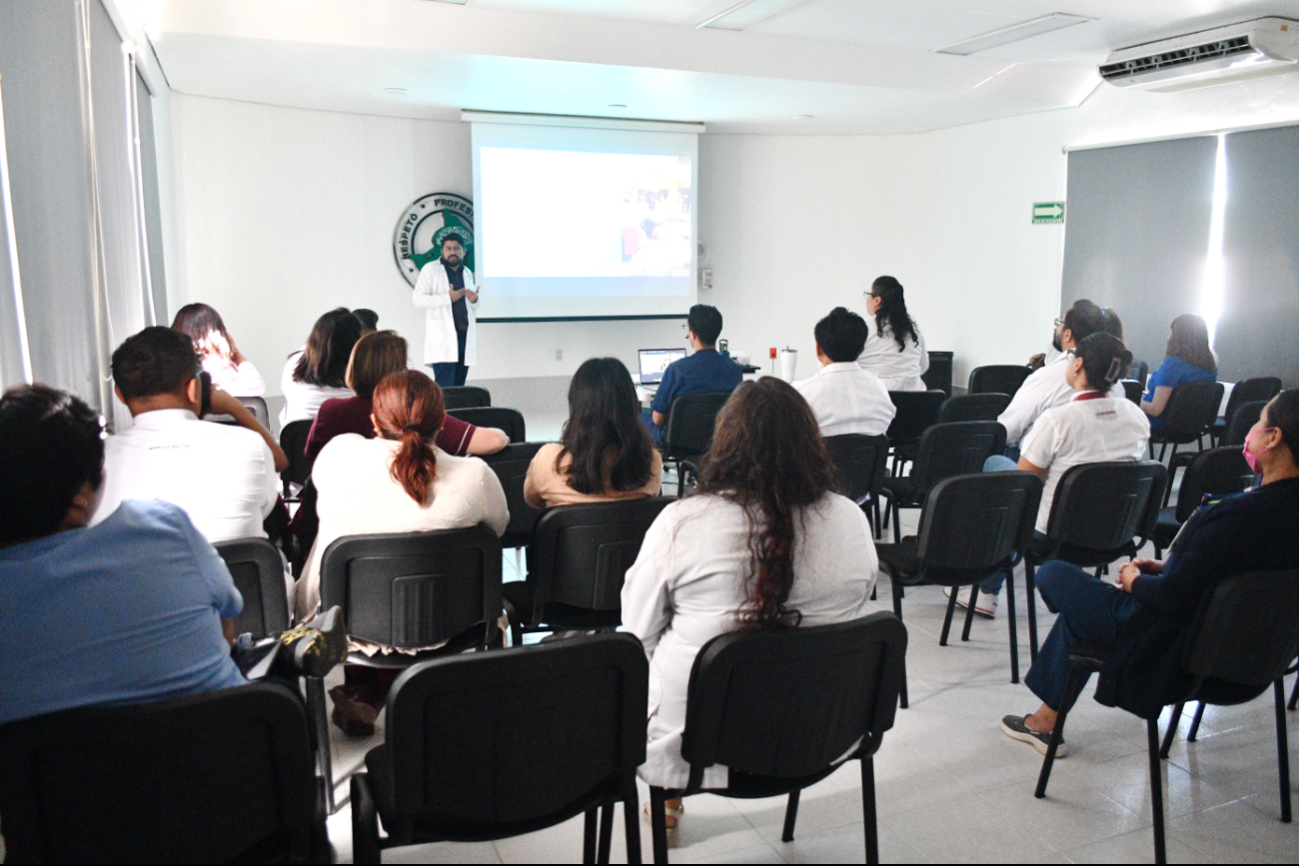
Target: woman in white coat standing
(894, 351)
(446, 291)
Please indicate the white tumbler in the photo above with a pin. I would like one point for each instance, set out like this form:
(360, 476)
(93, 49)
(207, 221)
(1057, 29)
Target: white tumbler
(788, 364)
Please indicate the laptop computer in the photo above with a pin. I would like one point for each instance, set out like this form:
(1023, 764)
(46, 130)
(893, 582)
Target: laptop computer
(653, 362)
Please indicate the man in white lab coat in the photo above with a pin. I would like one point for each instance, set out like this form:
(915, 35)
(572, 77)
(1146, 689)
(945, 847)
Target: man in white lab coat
(446, 291)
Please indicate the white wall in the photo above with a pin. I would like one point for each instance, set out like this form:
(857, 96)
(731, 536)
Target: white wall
(284, 213)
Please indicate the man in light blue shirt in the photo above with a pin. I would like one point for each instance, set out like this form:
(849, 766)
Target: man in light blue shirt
(703, 372)
(137, 608)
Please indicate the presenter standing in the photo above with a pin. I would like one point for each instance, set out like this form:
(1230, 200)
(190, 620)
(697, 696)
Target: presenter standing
(446, 291)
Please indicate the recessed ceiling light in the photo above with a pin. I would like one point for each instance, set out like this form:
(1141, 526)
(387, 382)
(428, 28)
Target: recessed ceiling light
(747, 13)
(803, 116)
(1013, 33)
(395, 91)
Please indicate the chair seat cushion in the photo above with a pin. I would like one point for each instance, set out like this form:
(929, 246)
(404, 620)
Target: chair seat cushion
(900, 560)
(519, 595)
(901, 490)
(1166, 527)
(1092, 652)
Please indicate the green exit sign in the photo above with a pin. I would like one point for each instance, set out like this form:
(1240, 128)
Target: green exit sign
(1048, 212)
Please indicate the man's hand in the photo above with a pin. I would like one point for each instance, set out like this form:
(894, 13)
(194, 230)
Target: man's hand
(457, 294)
(472, 296)
(1036, 360)
(1127, 574)
(1148, 566)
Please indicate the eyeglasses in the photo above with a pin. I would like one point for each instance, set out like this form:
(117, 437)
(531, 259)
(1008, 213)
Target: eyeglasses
(1059, 322)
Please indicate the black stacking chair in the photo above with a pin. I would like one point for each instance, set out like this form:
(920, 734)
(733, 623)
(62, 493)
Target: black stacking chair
(293, 439)
(972, 527)
(780, 707)
(220, 776)
(998, 379)
(258, 572)
(689, 430)
(917, 412)
(1190, 410)
(973, 407)
(1261, 389)
(1245, 417)
(255, 405)
(1140, 371)
(861, 462)
(1101, 512)
(465, 397)
(508, 420)
(1132, 390)
(944, 450)
(491, 745)
(511, 467)
(577, 560)
(1216, 472)
(1243, 638)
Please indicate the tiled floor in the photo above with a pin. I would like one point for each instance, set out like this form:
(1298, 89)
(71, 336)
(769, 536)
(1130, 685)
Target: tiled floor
(951, 787)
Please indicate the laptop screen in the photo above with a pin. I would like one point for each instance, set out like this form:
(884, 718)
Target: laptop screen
(654, 361)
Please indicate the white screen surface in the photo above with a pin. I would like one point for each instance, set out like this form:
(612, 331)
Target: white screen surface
(583, 223)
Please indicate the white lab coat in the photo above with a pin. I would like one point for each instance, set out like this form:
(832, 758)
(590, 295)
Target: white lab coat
(433, 293)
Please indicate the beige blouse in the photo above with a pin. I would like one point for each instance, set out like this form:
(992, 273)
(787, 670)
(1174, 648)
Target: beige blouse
(544, 487)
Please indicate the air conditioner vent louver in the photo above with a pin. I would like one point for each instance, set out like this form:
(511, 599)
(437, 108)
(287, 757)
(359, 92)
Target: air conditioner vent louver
(1174, 59)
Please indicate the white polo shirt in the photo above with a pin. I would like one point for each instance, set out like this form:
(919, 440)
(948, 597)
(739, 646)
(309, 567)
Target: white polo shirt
(1095, 430)
(302, 400)
(222, 476)
(846, 398)
(1045, 389)
(899, 369)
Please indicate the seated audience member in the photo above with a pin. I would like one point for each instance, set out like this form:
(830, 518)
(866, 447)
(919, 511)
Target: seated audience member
(369, 320)
(845, 397)
(1046, 387)
(376, 355)
(765, 544)
(1094, 427)
(604, 453)
(230, 370)
(1113, 325)
(316, 373)
(224, 477)
(397, 482)
(702, 372)
(136, 608)
(1144, 617)
(1189, 360)
(894, 350)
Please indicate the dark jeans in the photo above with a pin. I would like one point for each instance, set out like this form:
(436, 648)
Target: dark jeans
(1090, 609)
(452, 374)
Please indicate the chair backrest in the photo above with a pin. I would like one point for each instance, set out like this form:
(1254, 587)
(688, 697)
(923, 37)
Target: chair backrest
(1140, 371)
(917, 411)
(1191, 408)
(1218, 471)
(413, 589)
(998, 379)
(580, 554)
(1247, 629)
(201, 778)
(959, 448)
(1104, 506)
(258, 572)
(511, 467)
(861, 462)
(976, 522)
(508, 420)
(465, 397)
(939, 375)
(255, 405)
(293, 440)
(1240, 421)
(789, 702)
(516, 736)
(1133, 390)
(973, 407)
(691, 417)
(1262, 388)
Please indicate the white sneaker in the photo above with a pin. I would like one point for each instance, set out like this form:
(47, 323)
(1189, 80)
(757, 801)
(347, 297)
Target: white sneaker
(985, 605)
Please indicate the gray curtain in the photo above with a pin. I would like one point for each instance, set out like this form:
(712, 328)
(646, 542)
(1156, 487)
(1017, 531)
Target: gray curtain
(152, 203)
(14, 358)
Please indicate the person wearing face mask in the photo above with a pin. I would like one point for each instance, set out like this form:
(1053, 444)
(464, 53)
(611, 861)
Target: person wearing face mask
(1143, 619)
(447, 293)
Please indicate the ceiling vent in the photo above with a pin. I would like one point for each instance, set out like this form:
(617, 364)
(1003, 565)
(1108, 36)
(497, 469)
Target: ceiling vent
(1267, 46)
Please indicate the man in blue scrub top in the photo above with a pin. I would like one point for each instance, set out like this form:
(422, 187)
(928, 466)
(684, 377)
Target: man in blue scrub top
(702, 372)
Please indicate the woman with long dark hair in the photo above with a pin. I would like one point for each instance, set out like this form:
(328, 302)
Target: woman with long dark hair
(222, 360)
(894, 351)
(766, 544)
(605, 452)
(1189, 359)
(318, 371)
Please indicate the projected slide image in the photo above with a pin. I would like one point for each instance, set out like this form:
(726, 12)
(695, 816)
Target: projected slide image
(549, 214)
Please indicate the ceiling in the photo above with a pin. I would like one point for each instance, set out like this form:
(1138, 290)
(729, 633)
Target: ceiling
(855, 66)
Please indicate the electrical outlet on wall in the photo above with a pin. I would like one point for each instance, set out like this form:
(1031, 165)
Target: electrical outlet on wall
(559, 354)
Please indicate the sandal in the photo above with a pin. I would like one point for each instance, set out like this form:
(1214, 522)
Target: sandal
(671, 814)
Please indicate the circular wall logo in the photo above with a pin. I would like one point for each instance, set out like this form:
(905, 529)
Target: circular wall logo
(422, 227)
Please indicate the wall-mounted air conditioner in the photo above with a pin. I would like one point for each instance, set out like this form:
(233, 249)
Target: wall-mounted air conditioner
(1266, 46)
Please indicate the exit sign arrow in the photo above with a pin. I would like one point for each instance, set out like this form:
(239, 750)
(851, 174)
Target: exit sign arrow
(1048, 212)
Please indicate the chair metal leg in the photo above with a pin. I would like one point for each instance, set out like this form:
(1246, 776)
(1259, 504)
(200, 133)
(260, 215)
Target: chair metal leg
(1294, 695)
(1195, 723)
(1010, 619)
(365, 823)
(897, 597)
(1072, 688)
(1156, 789)
(791, 815)
(658, 824)
(1030, 596)
(606, 833)
(320, 726)
(904, 700)
(897, 521)
(588, 836)
(868, 810)
(947, 620)
(969, 612)
(1282, 750)
(1172, 729)
(631, 819)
